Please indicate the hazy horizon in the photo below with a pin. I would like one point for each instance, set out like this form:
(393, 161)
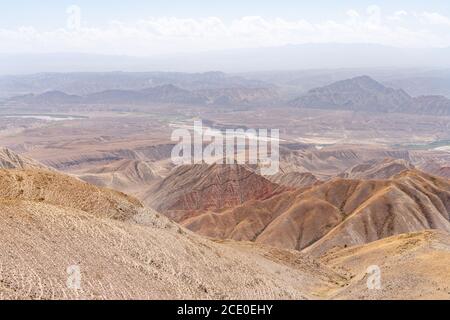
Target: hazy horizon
(200, 36)
(283, 58)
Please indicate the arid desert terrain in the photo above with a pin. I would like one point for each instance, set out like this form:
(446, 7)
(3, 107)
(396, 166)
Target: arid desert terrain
(88, 182)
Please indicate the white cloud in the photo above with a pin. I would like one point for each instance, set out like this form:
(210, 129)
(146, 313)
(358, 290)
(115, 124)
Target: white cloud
(398, 15)
(435, 18)
(161, 35)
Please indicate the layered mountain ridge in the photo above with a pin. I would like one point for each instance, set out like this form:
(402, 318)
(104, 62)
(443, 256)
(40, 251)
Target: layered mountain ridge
(127, 251)
(365, 94)
(190, 189)
(167, 93)
(340, 212)
(51, 223)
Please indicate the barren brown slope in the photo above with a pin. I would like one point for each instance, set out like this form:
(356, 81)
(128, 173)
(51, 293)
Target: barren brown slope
(146, 256)
(332, 160)
(124, 175)
(63, 190)
(294, 179)
(377, 169)
(337, 213)
(412, 266)
(11, 160)
(195, 188)
(441, 169)
(412, 201)
(444, 172)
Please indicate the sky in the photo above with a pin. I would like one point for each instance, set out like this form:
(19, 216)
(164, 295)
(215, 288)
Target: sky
(146, 28)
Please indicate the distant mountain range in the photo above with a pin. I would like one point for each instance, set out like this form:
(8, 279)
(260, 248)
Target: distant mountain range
(361, 93)
(160, 94)
(365, 94)
(85, 83)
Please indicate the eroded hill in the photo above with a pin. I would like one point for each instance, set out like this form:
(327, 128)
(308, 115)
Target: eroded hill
(192, 189)
(49, 222)
(340, 212)
(11, 160)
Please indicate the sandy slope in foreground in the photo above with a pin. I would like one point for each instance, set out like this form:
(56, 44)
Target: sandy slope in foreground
(137, 254)
(412, 266)
(50, 221)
